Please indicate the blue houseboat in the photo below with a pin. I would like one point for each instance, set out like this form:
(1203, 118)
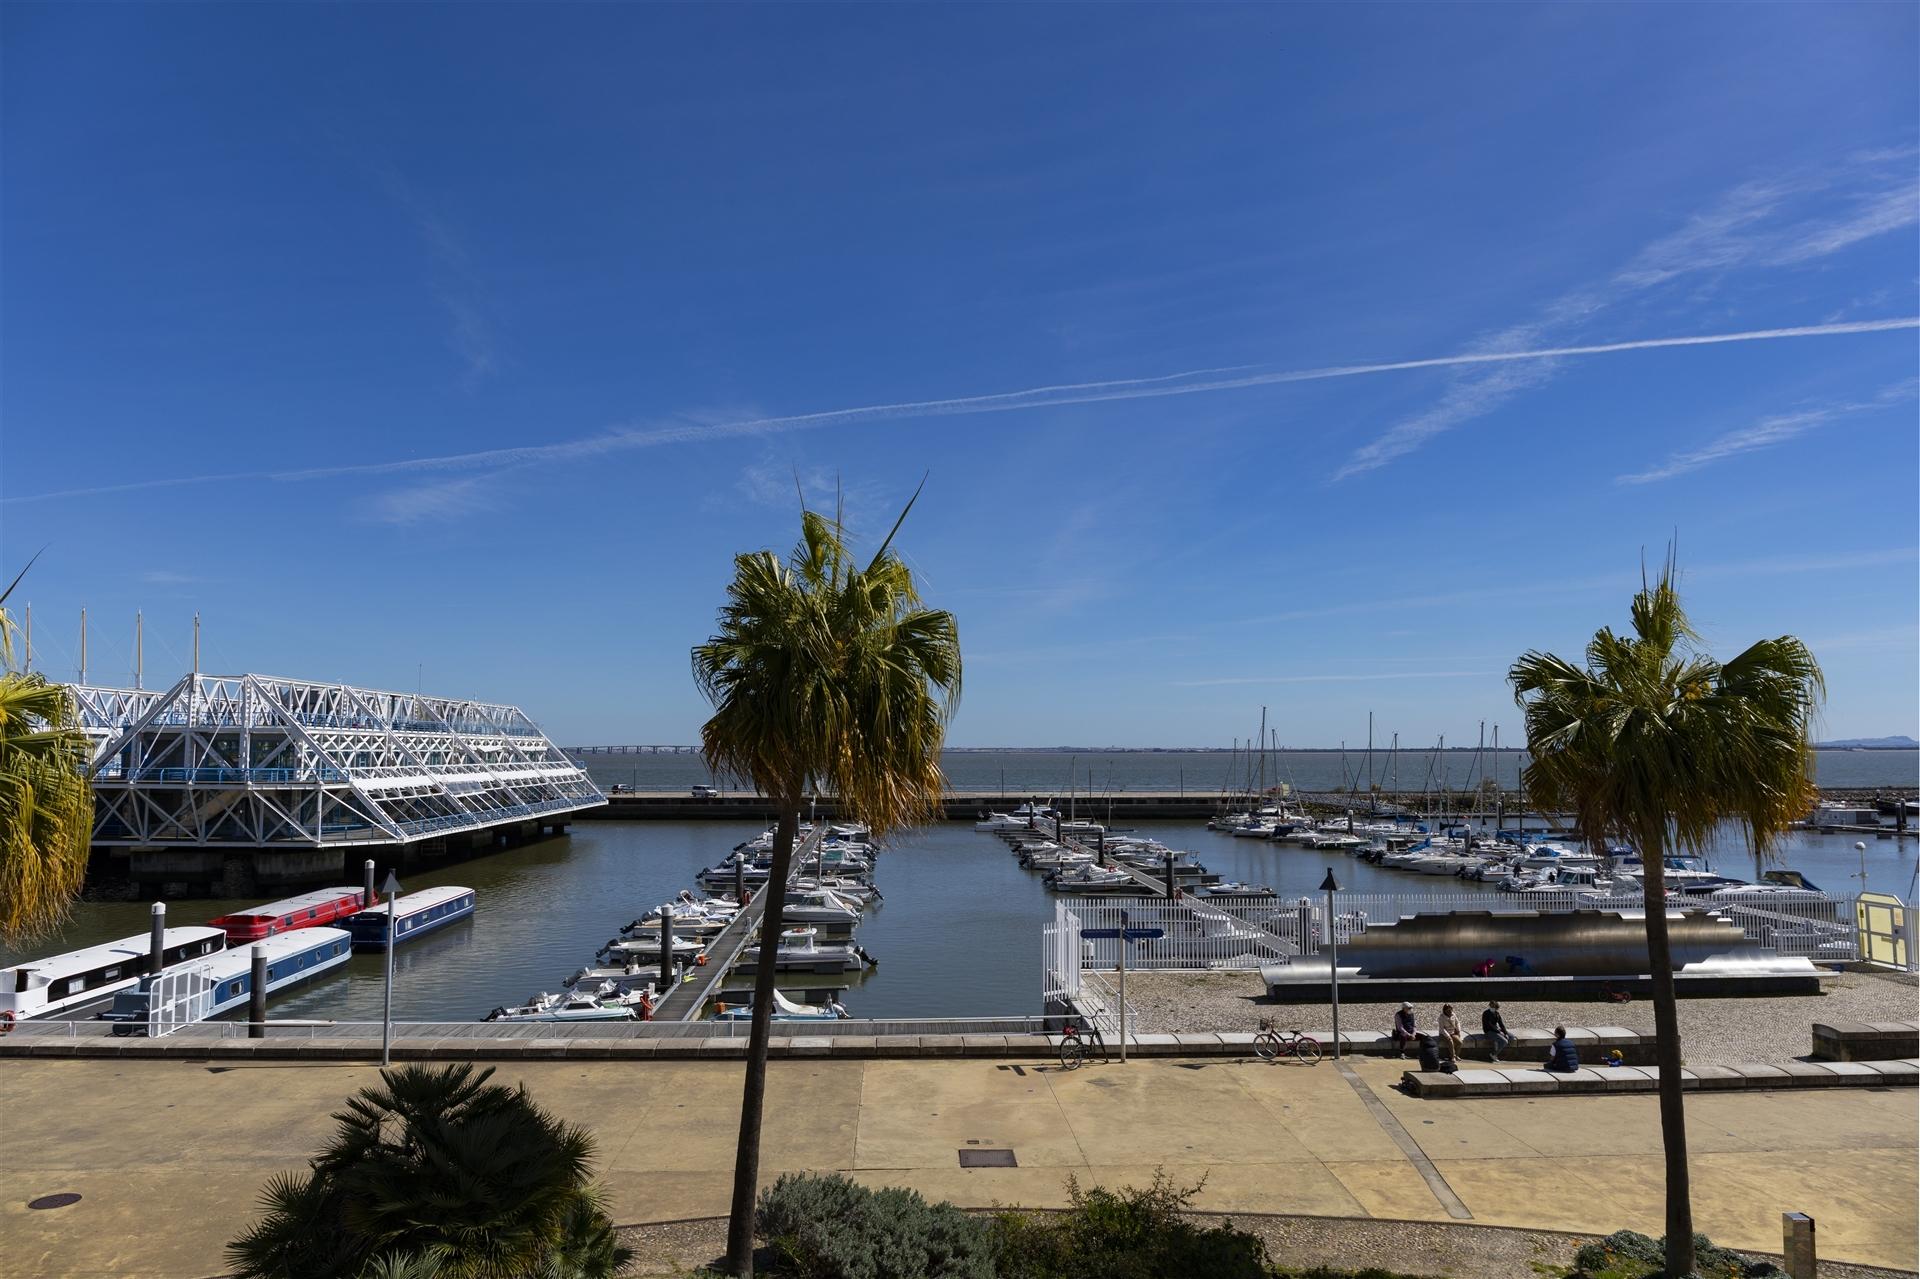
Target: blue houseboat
(292, 958)
(420, 913)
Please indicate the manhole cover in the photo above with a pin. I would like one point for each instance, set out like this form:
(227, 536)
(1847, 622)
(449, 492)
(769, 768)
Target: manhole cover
(54, 1201)
(987, 1159)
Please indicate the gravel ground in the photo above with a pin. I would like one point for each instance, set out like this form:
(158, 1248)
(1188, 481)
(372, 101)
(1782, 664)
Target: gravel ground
(1713, 1030)
(1408, 1247)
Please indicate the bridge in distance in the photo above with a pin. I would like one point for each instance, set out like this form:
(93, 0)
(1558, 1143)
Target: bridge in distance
(632, 750)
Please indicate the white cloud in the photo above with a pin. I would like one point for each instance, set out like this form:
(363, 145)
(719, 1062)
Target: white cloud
(440, 500)
(1330, 678)
(1757, 224)
(1192, 382)
(1765, 433)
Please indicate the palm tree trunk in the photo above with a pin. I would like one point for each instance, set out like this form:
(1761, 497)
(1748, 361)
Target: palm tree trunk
(746, 1159)
(1666, 1027)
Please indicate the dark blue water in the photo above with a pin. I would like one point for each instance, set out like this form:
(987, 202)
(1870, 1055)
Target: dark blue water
(957, 935)
(1019, 773)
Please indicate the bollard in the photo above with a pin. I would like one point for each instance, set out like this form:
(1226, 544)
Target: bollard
(1797, 1243)
(1170, 892)
(739, 882)
(666, 947)
(157, 940)
(366, 884)
(257, 996)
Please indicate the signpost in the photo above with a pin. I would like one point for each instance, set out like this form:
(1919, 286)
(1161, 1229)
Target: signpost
(1124, 934)
(1330, 886)
(392, 889)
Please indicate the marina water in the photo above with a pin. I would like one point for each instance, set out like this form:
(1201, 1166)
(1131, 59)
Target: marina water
(957, 934)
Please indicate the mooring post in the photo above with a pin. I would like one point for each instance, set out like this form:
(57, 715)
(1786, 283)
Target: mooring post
(666, 949)
(1169, 874)
(739, 881)
(257, 995)
(1797, 1244)
(157, 939)
(366, 884)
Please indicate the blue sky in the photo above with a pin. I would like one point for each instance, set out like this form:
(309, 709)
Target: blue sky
(467, 345)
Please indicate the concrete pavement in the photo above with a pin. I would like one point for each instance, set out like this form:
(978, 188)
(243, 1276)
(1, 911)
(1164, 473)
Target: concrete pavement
(169, 1156)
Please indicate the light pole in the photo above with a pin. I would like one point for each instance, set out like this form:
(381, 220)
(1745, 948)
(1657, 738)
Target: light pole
(392, 890)
(1860, 847)
(1330, 886)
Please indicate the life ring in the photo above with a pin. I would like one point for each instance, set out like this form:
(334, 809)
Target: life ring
(6, 1021)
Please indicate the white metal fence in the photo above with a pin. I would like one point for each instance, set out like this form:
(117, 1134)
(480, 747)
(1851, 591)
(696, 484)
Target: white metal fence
(1246, 931)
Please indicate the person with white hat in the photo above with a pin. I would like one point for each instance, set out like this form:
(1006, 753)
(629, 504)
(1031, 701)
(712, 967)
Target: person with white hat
(1403, 1029)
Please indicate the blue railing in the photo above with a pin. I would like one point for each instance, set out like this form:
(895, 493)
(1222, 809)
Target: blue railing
(114, 771)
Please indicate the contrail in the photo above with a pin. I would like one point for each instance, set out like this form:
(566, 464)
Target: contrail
(1191, 382)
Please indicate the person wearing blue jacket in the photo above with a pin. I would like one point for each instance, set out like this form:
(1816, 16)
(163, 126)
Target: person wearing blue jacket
(1564, 1058)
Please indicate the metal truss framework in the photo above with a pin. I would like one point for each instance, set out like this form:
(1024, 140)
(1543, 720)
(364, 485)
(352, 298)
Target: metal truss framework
(257, 761)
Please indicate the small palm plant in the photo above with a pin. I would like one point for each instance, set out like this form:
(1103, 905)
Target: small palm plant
(824, 675)
(1656, 743)
(437, 1174)
(46, 801)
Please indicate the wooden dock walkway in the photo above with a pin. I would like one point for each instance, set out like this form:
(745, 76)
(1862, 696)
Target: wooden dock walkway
(686, 1000)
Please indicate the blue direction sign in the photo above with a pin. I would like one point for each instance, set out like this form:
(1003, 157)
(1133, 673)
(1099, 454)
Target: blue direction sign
(1131, 934)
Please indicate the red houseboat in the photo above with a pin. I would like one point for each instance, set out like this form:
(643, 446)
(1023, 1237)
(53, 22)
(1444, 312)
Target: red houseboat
(309, 910)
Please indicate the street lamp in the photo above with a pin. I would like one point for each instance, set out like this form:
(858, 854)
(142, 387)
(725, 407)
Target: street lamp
(1330, 886)
(392, 889)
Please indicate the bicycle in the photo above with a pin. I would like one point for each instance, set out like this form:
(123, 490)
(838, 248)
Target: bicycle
(1076, 1048)
(1270, 1044)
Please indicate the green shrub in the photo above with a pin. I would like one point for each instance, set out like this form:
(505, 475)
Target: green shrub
(832, 1228)
(1131, 1233)
(1628, 1254)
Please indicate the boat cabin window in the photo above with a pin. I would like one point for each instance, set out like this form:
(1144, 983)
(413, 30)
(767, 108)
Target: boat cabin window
(233, 988)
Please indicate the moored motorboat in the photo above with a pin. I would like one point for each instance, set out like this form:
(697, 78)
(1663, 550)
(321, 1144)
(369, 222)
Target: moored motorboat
(785, 1009)
(572, 1006)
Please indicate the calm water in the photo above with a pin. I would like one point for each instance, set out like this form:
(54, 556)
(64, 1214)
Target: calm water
(957, 935)
(1049, 773)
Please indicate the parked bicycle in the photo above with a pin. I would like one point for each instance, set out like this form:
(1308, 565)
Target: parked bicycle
(1076, 1046)
(1271, 1043)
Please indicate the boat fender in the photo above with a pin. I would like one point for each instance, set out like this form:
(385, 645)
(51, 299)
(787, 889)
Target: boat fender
(700, 960)
(6, 1021)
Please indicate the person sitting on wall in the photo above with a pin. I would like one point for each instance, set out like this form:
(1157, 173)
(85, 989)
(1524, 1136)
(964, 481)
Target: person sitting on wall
(1517, 966)
(1403, 1031)
(1432, 1055)
(1564, 1058)
(1484, 968)
(1450, 1030)
(1494, 1027)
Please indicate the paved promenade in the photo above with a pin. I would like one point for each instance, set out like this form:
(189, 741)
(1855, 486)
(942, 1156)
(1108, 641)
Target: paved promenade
(169, 1156)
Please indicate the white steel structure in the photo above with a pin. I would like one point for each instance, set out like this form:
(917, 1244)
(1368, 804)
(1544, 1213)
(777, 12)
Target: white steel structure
(260, 762)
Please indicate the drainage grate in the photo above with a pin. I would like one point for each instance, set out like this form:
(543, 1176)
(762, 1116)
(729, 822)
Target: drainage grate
(987, 1159)
(54, 1201)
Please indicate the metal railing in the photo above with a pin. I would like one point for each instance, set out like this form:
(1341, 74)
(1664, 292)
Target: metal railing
(483, 1031)
(1817, 926)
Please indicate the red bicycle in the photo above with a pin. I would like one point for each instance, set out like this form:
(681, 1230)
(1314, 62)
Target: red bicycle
(1271, 1044)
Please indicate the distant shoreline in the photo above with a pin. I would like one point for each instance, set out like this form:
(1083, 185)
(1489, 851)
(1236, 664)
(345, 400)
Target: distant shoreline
(1293, 750)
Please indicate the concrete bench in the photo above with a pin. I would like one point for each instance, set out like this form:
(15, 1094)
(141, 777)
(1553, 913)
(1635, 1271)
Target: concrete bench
(1646, 1079)
(1865, 1040)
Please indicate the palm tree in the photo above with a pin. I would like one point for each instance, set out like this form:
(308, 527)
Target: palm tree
(46, 802)
(1656, 743)
(824, 676)
(437, 1174)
